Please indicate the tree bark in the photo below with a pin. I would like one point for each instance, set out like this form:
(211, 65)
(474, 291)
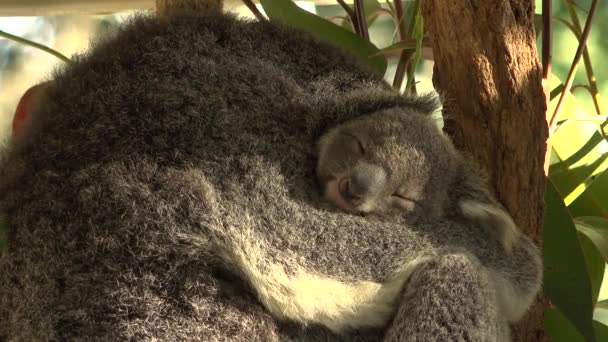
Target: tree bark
(487, 67)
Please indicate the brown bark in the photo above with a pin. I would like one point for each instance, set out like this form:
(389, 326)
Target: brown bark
(487, 67)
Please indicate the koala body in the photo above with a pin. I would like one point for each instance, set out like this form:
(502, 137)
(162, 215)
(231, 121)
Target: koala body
(166, 191)
(398, 162)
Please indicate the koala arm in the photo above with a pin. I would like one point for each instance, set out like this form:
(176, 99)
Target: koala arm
(448, 299)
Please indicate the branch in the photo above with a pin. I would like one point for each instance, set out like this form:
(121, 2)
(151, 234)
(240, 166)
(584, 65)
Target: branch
(351, 14)
(595, 94)
(254, 9)
(405, 56)
(582, 86)
(574, 66)
(361, 20)
(415, 29)
(34, 45)
(400, 19)
(568, 84)
(576, 33)
(347, 9)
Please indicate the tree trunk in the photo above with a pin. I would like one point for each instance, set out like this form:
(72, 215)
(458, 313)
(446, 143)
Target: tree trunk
(487, 67)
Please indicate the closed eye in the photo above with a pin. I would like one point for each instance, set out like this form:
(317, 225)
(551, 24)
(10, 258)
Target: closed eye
(404, 202)
(359, 144)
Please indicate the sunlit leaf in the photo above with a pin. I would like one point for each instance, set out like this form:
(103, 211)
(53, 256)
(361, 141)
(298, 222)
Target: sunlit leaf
(600, 313)
(594, 200)
(566, 279)
(580, 148)
(571, 106)
(287, 12)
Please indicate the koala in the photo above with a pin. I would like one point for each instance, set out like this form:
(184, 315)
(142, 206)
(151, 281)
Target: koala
(399, 162)
(166, 190)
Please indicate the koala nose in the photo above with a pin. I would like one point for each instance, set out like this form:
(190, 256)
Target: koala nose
(363, 182)
(346, 190)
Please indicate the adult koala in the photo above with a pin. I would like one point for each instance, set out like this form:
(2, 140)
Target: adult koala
(167, 191)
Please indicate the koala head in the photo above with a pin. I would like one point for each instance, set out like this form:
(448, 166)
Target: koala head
(395, 161)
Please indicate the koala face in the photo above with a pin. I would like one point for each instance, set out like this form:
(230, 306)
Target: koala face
(391, 162)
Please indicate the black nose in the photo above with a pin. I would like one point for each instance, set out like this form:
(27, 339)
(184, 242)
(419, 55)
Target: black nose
(346, 189)
(356, 187)
(363, 182)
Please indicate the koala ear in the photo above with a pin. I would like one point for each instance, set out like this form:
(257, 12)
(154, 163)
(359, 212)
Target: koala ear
(427, 104)
(493, 218)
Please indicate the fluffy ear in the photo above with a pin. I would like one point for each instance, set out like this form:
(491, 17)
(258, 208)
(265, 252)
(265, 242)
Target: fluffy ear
(427, 104)
(493, 218)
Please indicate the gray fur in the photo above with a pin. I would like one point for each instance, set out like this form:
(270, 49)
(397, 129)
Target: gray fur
(170, 146)
(398, 162)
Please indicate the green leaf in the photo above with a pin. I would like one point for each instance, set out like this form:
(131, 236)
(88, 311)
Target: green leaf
(418, 35)
(287, 12)
(371, 11)
(347, 25)
(559, 328)
(595, 264)
(538, 23)
(580, 157)
(566, 279)
(601, 331)
(594, 200)
(409, 45)
(596, 229)
(556, 91)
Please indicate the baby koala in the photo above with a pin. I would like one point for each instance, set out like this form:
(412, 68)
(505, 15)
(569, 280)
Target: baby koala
(398, 162)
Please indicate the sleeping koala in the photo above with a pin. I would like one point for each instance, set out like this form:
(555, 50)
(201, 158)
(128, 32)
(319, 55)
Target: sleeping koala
(166, 191)
(399, 162)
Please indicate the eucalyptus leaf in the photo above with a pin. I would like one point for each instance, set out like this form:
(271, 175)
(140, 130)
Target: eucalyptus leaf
(596, 229)
(566, 279)
(594, 200)
(371, 11)
(538, 23)
(418, 33)
(288, 13)
(556, 91)
(580, 155)
(595, 264)
(601, 331)
(559, 328)
(409, 45)
(347, 25)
